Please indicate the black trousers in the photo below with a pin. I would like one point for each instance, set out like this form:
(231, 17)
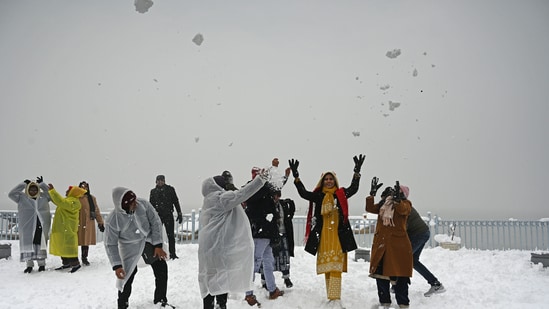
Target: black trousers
(209, 300)
(168, 223)
(160, 270)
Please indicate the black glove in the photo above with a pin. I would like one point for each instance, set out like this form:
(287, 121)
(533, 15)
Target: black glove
(101, 227)
(179, 218)
(375, 186)
(397, 194)
(39, 179)
(358, 162)
(27, 181)
(293, 165)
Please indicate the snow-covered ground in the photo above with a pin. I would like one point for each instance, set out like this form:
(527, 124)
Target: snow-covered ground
(473, 279)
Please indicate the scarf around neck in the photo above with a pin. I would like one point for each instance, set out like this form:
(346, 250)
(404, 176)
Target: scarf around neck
(387, 211)
(343, 203)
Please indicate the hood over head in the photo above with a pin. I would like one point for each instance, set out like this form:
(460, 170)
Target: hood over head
(319, 184)
(121, 194)
(75, 191)
(209, 185)
(32, 184)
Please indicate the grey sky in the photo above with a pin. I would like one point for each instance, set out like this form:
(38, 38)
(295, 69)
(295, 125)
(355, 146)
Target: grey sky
(95, 90)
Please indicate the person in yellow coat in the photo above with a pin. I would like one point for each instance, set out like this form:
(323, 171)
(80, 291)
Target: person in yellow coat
(64, 231)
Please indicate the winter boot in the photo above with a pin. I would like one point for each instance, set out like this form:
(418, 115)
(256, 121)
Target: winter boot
(85, 250)
(28, 270)
(288, 283)
(75, 268)
(41, 268)
(274, 294)
(252, 300)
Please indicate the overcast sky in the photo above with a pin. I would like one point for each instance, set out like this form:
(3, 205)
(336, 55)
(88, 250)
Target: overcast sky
(449, 97)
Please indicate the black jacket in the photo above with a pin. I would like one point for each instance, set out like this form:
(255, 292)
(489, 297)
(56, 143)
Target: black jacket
(345, 232)
(262, 213)
(164, 199)
(288, 206)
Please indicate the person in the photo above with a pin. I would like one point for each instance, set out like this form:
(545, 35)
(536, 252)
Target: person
(164, 199)
(132, 230)
(64, 231)
(391, 257)
(328, 232)
(263, 217)
(419, 233)
(225, 245)
(285, 247)
(33, 211)
(89, 213)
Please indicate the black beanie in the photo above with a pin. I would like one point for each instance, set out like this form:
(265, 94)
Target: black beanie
(220, 180)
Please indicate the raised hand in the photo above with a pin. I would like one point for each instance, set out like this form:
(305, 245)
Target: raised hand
(375, 186)
(39, 179)
(358, 162)
(293, 166)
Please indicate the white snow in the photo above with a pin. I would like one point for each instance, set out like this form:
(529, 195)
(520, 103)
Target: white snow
(473, 279)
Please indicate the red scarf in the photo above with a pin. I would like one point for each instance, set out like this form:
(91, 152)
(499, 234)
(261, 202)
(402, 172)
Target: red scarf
(340, 194)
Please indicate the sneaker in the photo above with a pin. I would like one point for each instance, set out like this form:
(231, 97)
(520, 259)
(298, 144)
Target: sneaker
(62, 267)
(274, 294)
(252, 300)
(41, 268)
(288, 283)
(27, 270)
(435, 289)
(75, 268)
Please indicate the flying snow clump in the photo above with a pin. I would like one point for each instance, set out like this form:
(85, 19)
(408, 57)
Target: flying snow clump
(393, 105)
(198, 39)
(393, 53)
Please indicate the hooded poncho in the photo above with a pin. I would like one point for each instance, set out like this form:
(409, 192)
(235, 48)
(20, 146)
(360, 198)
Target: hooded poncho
(126, 233)
(225, 244)
(28, 210)
(64, 231)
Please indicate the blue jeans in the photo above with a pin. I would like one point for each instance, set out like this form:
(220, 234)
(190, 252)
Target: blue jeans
(263, 254)
(418, 242)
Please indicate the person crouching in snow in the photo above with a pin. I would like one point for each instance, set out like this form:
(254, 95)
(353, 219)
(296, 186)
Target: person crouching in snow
(133, 229)
(225, 244)
(64, 231)
(33, 210)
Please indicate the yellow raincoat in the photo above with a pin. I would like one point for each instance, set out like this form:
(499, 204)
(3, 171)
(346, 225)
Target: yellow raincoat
(64, 231)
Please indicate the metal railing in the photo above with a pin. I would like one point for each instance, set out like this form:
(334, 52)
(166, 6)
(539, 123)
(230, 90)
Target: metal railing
(474, 234)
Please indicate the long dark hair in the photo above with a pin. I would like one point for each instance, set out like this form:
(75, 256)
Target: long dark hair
(90, 199)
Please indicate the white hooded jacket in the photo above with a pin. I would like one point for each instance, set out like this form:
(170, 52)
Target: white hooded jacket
(225, 244)
(28, 210)
(126, 234)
